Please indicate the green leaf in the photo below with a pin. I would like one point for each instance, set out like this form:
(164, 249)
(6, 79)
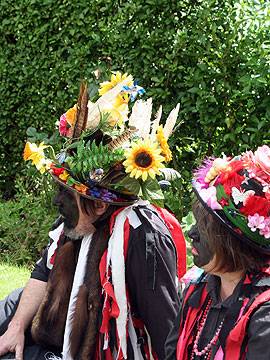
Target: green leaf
(131, 184)
(151, 191)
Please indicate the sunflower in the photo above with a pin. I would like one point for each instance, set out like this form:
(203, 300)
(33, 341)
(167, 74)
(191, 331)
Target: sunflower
(143, 160)
(116, 78)
(165, 150)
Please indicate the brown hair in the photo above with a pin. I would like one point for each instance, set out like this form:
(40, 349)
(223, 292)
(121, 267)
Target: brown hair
(231, 254)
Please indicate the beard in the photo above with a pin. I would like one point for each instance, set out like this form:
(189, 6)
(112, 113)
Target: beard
(79, 231)
(72, 233)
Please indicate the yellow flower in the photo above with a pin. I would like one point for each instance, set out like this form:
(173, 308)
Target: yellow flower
(121, 99)
(118, 115)
(115, 79)
(143, 160)
(166, 152)
(34, 152)
(43, 165)
(71, 115)
(36, 155)
(64, 176)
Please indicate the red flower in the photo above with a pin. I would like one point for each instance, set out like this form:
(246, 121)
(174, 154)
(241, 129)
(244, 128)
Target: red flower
(230, 170)
(223, 202)
(57, 170)
(256, 205)
(233, 180)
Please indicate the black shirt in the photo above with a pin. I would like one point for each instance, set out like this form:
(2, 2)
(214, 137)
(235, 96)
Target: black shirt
(151, 268)
(258, 335)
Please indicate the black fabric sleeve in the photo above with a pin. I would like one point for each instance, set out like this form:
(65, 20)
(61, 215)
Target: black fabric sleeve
(151, 279)
(172, 339)
(41, 272)
(259, 334)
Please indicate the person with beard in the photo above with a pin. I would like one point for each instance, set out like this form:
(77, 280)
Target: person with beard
(225, 312)
(106, 286)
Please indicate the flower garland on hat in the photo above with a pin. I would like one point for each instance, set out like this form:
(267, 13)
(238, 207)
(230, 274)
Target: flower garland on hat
(113, 152)
(238, 190)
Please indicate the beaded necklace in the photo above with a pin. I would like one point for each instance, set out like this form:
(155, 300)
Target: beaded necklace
(206, 351)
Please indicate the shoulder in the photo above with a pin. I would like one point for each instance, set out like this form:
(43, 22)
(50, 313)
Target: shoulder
(151, 219)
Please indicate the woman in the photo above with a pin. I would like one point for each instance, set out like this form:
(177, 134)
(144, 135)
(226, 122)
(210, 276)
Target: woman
(225, 313)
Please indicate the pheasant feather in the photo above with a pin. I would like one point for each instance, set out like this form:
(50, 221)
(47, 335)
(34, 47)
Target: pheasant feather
(121, 139)
(81, 115)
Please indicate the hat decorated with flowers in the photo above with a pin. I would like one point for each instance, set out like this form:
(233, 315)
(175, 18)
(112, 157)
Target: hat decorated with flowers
(114, 150)
(236, 190)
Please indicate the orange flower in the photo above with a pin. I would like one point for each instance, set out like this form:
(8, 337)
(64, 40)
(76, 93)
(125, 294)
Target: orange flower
(71, 115)
(81, 188)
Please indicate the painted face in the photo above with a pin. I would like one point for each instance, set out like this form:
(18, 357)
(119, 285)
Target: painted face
(68, 207)
(201, 252)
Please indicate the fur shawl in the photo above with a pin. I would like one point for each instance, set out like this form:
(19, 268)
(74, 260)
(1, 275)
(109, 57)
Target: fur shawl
(49, 323)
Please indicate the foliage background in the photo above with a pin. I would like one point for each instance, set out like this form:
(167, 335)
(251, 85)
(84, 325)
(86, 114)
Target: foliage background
(212, 56)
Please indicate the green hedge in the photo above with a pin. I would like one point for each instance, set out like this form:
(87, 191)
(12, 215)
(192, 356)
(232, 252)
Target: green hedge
(24, 225)
(211, 55)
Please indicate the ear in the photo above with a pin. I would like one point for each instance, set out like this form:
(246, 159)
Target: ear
(100, 207)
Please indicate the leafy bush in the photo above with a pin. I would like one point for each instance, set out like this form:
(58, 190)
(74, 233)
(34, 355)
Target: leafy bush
(211, 55)
(24, 225)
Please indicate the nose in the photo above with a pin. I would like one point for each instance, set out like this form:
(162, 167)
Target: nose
(193, 233)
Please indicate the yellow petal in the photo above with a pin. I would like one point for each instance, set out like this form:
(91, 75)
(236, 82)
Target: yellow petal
(138, 174)
(129, 168)
(144, 175)
(133, 173)
(152, 173)
(28, 150)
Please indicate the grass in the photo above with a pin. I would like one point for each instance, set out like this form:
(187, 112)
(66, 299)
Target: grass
(12, 277)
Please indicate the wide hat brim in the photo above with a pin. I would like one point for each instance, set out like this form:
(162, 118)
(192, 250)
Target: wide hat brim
(121, 199)
(220, 216)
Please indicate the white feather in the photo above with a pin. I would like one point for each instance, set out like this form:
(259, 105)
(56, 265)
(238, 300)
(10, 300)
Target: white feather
(171, 120)
(156, 121)
(141, 116)
(170, 174)
(103, 103)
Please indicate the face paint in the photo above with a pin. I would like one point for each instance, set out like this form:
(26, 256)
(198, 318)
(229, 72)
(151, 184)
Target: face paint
(202, 255)
(68, 208)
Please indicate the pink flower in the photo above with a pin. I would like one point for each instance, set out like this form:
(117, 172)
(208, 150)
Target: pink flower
(200, 173)
(209, 196)
(266, 230)
(63, 125)
(256, 222)
(262, 158)
(258, 164)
